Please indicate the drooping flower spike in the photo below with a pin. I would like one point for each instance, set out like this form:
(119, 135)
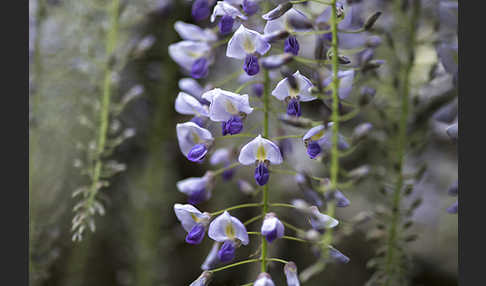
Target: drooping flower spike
(194, 57)
(228, 15)
(194, 141)
(262, 152)
(198, 189)
(223, 156)
(231, 232)
(318, 139)
(293, 91)
(193, 221)
(272, 227)
(264, 279)
(247, 44)
(229, 108)
(290, 270)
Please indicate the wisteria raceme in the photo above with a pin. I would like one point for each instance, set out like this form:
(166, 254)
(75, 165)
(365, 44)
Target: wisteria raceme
(268, 41)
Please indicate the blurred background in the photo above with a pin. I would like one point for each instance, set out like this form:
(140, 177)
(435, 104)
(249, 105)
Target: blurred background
(138, 240)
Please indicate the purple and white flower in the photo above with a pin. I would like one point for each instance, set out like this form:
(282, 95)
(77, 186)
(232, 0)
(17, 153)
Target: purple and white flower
(228, 14)
(198, 189)
(318, 138)
(191, 32)
(264, 279)
(263, 152)
(293, 95)
(188, 105)
(247, 44)
(193, 57)
(320, 221)
(194, 141)
(193, 221)
(230, 231)
(229, 108)
(272, 227)
(290, 270)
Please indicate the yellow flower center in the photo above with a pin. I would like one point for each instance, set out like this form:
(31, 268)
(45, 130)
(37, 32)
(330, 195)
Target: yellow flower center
(248, 46)
(230, 230)
(318, 135)
(261, 154)
(230, 107)
(195, 138)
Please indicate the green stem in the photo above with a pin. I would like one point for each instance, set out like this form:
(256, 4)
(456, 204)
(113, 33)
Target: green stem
(241, 87)
(237, 207)
(221, 170)
(292, 172)
(335, 119)
(235, 264)
(283, 205)
(266, 103)
(285, 137)
(105, 102)
(292, 227)
(252, 220)
(402, 142)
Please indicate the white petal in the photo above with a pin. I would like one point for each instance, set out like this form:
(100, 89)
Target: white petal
(191, 86)
(186, 104)
(223, 8)
(321, 220)
(190, 185)
(186, 213)
(345, 82)
(248, 154)
(217, 228)
(304, 85)
(244, 42)
(184, 53)
(220, 156)
(193, 32)
(317, 130)
(272, 223)
(190, 134)
(264, 280)
(226, 104)
(281, 91)
(240, 230)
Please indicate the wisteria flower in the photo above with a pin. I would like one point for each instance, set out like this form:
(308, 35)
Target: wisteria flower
(290, 270)
(193, 221)
(282, 23)
(293, 91)
(229, 108)
(193, 32)
(263, 152)
(264, 279)
(247, 44)
(194, 141)
(223, 156)
(345, 83)
(194, 57)
(198, 189)
(272, 227)
(320, 221)
(228, 15)
(319, 138)
(188, 105)
(230, 231)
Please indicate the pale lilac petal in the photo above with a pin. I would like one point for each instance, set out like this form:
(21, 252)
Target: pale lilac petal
(193, 32)
(248, 154)
(282, 23)
(223, 8)
(186, 104)
(186, 214)
(225, 104)
(191, 86)
(190, 134)
(220, 156)
(185, 53)
(245, 42)
(225, 227)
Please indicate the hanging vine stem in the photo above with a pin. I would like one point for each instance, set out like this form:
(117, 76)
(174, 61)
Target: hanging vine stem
(111, 39)
(335, 119)
(402, 142)
(266, 103)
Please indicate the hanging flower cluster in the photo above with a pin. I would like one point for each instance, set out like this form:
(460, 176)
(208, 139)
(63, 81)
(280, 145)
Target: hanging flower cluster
(265, 39)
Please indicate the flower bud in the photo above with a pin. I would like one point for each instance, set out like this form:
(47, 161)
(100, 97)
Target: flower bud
(203, 279)
(277, 11)
(264, 279)
(359, 173)
(370, 22)
(276, 36)
(227, 251)
(361, 131)
(212, 258)
(295, 121)
(276, 61)
(300, 23)
(337, 256)
(272, 227)
(245, 187)
(290, 270)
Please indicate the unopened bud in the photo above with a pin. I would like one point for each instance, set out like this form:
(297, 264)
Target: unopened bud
(277, 11)
(296, 121)
(276, 61)
(370, 22)
(361, 131)
(276, 36)
(360, 172)
(300, 23)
